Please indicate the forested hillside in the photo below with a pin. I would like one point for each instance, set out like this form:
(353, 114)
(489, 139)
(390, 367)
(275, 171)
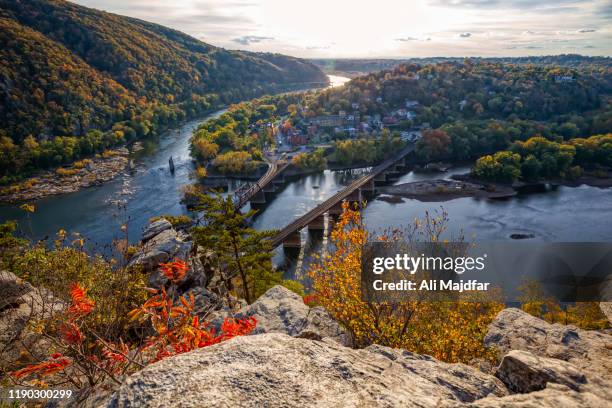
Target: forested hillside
(356, 66)
(68, 71)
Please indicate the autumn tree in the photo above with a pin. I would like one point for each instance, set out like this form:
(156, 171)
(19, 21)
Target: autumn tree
(449, 331)
(434, 144)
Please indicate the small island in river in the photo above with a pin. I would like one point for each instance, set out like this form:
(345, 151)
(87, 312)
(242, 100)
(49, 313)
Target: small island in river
(444, 190)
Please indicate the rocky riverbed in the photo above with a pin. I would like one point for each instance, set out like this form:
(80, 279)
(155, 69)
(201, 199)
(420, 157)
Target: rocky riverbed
(86, 173)
(444, 190)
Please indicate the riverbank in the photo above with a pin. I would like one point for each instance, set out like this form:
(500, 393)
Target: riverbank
(601, 180)
(445, 190)
(81, 174)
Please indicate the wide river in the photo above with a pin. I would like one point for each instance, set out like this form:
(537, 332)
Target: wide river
(561, 214)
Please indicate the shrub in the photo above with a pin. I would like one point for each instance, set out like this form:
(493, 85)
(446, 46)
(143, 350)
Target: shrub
(586, 315)
(83, 356)
(449, 331)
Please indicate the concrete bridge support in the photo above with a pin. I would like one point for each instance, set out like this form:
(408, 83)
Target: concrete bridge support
(318, 224)
(259, 198)
(380, 179)
(355, 199)
(368, 189)
(293, 241)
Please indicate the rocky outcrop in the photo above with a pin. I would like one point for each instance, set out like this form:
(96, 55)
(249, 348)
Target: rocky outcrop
(161, 242)
(550, 365)
(466, 383)
(164, 246)
(155, 228)
(606, 308)
(524, 372)
(296, 359)
(590, 351)
(276, 370)
(280, 310)
(21, 303)
(554, 396)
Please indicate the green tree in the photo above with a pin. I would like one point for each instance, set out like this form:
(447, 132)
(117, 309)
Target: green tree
(245, 252)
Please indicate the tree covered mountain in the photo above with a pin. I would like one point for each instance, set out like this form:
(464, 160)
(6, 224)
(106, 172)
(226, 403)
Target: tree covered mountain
(69, 71)
(358, 66)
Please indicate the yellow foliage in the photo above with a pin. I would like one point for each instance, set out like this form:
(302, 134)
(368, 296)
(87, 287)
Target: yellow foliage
(586, 315)
(61, 171)
(201, 172)
(449, 331)
(30, 208)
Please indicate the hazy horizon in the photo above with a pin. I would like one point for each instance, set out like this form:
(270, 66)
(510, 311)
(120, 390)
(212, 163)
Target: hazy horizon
(386, 28)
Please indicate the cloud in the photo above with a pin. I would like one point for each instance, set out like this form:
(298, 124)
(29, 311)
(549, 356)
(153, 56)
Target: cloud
(318, 47)
(465, 35)
(587, 30)
(408, 39)
(503, 4)
(251, 39)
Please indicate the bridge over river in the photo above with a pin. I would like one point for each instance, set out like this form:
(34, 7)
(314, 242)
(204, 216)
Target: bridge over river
(314, 219)
(354, 192)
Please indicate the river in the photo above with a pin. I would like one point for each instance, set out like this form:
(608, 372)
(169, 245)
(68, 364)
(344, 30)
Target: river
(560, 214)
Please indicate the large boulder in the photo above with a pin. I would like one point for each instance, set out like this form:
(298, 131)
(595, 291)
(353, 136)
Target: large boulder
(161, 243)
(276, 370)
(524, 372)
(539, 354)
(280, 310)
(155, 228)
(553, 396)
(590, 351)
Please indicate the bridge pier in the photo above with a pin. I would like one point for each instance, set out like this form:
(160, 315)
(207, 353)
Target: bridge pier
(336, 210)
(293, 241)
(354, 199)
(380, 179)
(269, 188)
(318, 224)
(258, 200)
(368, 189)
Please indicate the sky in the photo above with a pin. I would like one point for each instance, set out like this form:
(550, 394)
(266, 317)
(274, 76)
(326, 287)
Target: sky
(385, 28)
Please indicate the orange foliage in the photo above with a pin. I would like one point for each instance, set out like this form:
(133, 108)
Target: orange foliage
(178, 328)
(174, 271)
(54, 365)
(81, 304)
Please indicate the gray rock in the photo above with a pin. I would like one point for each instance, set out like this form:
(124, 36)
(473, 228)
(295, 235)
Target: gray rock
(276, 370)
(524, 372)
(553, 396)
(280, 310)
(606, 308)
(155, 228)
(466, 383)
(21, 303)
(165, 246)
(589, 351)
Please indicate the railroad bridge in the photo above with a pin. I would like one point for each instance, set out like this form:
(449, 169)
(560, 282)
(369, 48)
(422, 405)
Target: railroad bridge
(268, 183)
(353, 193)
